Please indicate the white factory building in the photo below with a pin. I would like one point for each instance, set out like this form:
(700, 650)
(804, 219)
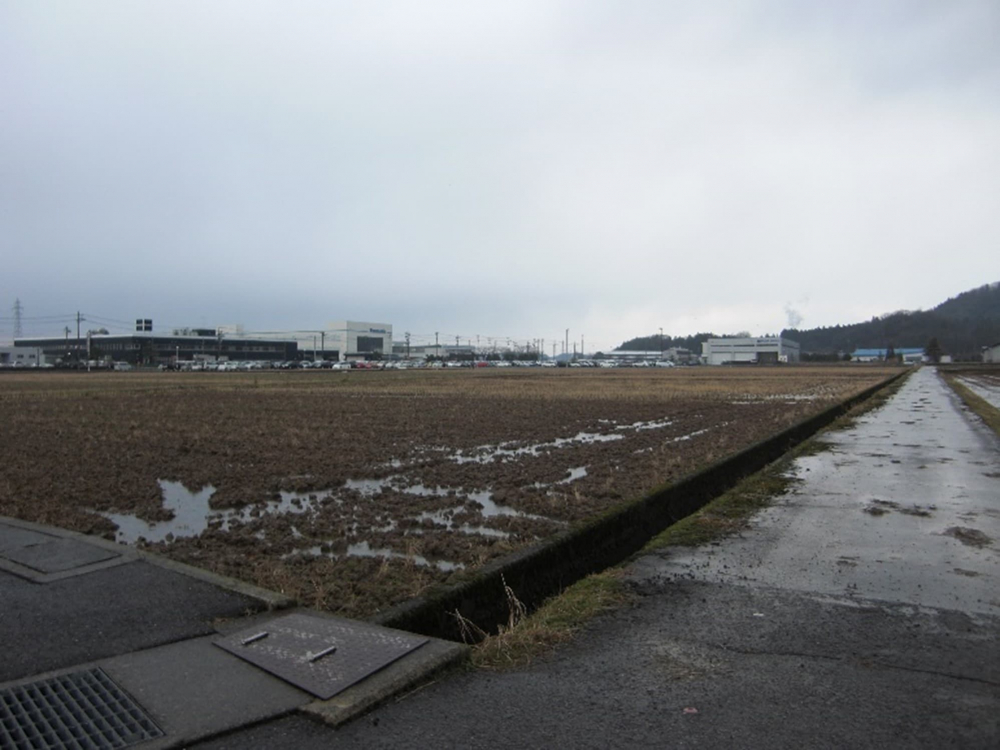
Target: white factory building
(747, 350)
(355, 339)
(340, 340)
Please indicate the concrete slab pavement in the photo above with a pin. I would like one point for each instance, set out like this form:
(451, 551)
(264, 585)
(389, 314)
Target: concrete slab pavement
(72, 605)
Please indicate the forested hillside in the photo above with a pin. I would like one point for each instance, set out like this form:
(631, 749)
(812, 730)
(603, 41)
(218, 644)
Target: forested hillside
(653, 343)
(962, 325)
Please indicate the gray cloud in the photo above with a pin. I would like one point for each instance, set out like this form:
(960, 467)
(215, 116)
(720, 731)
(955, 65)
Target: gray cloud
(517, 168)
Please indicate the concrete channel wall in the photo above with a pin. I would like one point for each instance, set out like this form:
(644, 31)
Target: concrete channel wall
(542, 570)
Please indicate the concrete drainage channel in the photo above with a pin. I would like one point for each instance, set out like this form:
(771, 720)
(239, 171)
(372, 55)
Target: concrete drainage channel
(538, 572)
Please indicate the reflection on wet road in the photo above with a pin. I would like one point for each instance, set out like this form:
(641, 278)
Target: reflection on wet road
(904, 508)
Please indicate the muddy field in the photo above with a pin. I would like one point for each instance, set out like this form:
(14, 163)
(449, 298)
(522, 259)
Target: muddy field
(353, 491)
(984, 384)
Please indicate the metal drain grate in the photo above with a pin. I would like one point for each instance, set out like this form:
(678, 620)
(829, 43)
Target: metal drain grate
(84, 710)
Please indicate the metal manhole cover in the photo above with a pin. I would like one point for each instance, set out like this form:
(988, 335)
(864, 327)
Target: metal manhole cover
(84, 710)
(319, 655)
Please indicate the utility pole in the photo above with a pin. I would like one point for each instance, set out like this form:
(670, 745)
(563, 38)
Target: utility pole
(407, 337)
(437, 348)
(18, 309)
(566, 343)
(78, 319)
(322, 343)
(66, 331)
(661, 343)
(582, 348)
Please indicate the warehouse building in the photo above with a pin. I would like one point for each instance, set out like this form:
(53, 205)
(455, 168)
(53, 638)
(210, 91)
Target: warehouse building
(341, 340)
(148, 348)
(749, 350)
(21, 356)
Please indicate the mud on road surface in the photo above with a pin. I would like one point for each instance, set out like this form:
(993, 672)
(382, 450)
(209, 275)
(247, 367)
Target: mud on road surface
(353, 491)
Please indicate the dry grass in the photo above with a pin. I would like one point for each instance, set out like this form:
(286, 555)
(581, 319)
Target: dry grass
(526, 637)
(639, 383)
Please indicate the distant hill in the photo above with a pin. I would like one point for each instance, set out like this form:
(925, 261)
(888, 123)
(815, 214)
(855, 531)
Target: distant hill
(653, 343)
(963, 325)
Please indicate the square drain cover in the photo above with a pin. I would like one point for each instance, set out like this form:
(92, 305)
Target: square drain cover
(80, 710)
(11, 537)
(321, 656)
(58, 555)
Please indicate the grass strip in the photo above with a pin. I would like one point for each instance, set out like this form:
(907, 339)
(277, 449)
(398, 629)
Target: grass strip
(527, 636)
(977, 404)
(560, 617)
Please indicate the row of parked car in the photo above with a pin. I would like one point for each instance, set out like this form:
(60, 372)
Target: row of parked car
(233, 366)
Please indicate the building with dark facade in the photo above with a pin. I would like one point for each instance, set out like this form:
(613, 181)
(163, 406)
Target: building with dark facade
(147, 348)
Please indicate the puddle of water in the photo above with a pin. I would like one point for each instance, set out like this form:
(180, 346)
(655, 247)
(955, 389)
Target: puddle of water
(489, 509)
(788, 398)
(578, 472)
(370, 487)
(656, 424)
(443, 518)
(363, 549)
(487, 454)
(193, 514)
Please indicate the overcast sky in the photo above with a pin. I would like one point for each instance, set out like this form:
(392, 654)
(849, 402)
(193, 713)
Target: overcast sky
(505, 169)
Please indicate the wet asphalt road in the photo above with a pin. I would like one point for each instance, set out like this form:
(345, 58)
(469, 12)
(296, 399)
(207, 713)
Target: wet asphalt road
(862, 610)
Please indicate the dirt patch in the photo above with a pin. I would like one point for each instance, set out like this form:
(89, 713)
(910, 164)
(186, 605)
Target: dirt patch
(916, 510)
(881, 507)
(966, 573)
(967, 536)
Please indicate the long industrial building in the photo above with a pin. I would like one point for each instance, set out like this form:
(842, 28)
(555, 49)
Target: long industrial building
(342, 340)
(146, 347)
(749, 350)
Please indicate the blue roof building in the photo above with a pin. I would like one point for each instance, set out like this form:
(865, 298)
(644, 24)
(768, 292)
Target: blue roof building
(909, 355)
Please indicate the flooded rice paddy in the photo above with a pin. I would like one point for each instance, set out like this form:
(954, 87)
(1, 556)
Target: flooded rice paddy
(354, 493)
